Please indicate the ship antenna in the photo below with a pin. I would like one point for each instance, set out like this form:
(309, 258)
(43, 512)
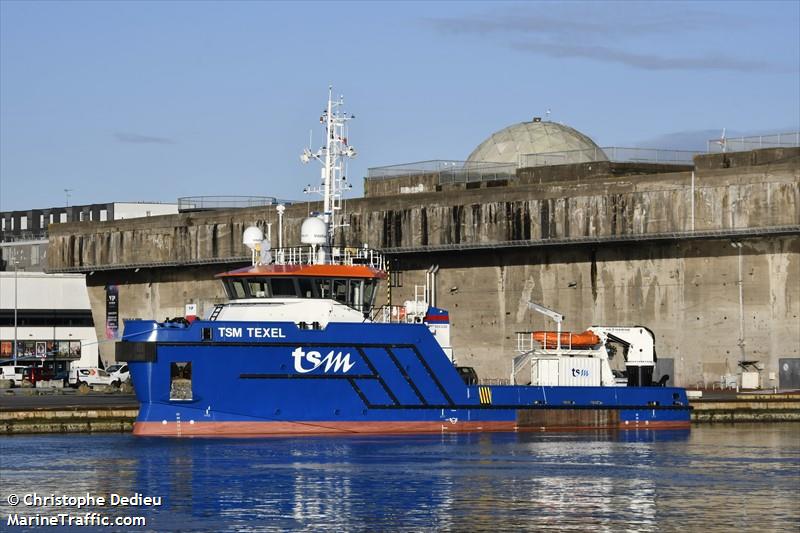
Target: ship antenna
(332, 156)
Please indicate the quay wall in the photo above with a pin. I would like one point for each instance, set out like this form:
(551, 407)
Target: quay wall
(67, 420)
(581, 246)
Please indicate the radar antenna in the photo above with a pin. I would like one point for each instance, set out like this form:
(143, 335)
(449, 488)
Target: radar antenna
(333, 158)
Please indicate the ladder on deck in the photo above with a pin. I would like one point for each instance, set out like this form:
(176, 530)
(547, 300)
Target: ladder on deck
(215, 313)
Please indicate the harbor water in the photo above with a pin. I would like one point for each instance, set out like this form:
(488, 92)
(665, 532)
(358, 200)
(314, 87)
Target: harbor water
(715, 477)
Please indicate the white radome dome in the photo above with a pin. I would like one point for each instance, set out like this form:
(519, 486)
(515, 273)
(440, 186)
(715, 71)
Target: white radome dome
(313, 231)
(252, 237)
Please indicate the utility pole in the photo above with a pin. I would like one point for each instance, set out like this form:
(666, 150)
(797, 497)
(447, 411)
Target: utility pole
(16, 278)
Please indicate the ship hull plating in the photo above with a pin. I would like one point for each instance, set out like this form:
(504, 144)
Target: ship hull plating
(273, 378)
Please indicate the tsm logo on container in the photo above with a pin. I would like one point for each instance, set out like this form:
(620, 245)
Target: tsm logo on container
(305, 362)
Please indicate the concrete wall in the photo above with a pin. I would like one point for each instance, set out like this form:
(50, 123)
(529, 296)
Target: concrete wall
(685, 289)
(687, 292)
(455, 180)
(758, 196)
(153, 294)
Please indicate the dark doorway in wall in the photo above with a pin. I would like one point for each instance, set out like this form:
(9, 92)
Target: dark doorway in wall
(180, 381)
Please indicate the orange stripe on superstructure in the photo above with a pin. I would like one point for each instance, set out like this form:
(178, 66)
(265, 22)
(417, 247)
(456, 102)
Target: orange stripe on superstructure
(317, 271)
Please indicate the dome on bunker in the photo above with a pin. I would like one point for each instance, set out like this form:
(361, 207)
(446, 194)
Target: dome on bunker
(537, 137)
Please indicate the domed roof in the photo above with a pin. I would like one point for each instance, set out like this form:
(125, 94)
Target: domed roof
(536, 137)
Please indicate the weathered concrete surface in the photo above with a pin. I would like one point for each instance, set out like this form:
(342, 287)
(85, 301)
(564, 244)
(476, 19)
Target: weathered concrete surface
(67, 420)
(762, 408)
(747, 197)
(575, 173)
(686, 290)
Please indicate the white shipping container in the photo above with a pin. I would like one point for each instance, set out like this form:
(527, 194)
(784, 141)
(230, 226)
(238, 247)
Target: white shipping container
(579, 371)
(544, 372)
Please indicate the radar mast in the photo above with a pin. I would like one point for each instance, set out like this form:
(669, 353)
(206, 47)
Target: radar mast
(333, 156)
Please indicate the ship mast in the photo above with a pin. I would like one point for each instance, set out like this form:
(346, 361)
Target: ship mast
(332, 156)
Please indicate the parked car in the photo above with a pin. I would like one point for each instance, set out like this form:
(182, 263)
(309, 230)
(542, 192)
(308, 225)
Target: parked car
(90, 376)
(62, 375)
(34, 374)
(12, 373)
(119, 372)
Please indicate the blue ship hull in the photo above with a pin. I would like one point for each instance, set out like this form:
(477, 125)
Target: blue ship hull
(273, 378)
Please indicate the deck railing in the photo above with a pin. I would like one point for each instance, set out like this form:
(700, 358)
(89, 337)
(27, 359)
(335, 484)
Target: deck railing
(754, 142)
(305, 255)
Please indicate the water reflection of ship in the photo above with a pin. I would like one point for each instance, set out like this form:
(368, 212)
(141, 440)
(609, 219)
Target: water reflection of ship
(355, 483)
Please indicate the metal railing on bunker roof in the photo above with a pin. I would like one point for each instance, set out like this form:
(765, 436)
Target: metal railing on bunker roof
(447, 170)
(615, 154)
(754, 142)
(203, 203)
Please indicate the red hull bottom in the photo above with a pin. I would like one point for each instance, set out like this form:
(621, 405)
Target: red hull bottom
(267, 429)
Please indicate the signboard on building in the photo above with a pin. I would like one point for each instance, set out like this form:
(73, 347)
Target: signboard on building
(112, 311)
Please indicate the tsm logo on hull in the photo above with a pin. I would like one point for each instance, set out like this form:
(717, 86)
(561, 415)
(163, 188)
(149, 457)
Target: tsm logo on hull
(305, 362)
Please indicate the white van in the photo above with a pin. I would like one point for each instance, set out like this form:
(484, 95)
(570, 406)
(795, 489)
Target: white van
(12, 373)
(90, 376)
(119, 372)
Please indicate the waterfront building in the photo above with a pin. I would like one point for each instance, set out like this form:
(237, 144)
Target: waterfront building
(49, 315)
(54, 326)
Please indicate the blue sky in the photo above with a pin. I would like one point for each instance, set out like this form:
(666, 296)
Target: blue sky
(126, 101)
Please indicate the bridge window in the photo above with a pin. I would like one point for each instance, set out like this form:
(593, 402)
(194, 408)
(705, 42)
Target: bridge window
(369, 293)
(235, 289)
(323, 288)
(306, 288)
(355, 297)
(356, 293)
(283, 287)
(340, 290)
(259, 288)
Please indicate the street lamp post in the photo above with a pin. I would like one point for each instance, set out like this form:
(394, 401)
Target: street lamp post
(16, 278)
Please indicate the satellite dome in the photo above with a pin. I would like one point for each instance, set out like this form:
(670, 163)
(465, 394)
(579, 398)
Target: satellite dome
(252, 236)
(313, 231)
(536, 137)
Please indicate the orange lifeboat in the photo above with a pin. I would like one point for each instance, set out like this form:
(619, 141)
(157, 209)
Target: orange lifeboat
(549, 339)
